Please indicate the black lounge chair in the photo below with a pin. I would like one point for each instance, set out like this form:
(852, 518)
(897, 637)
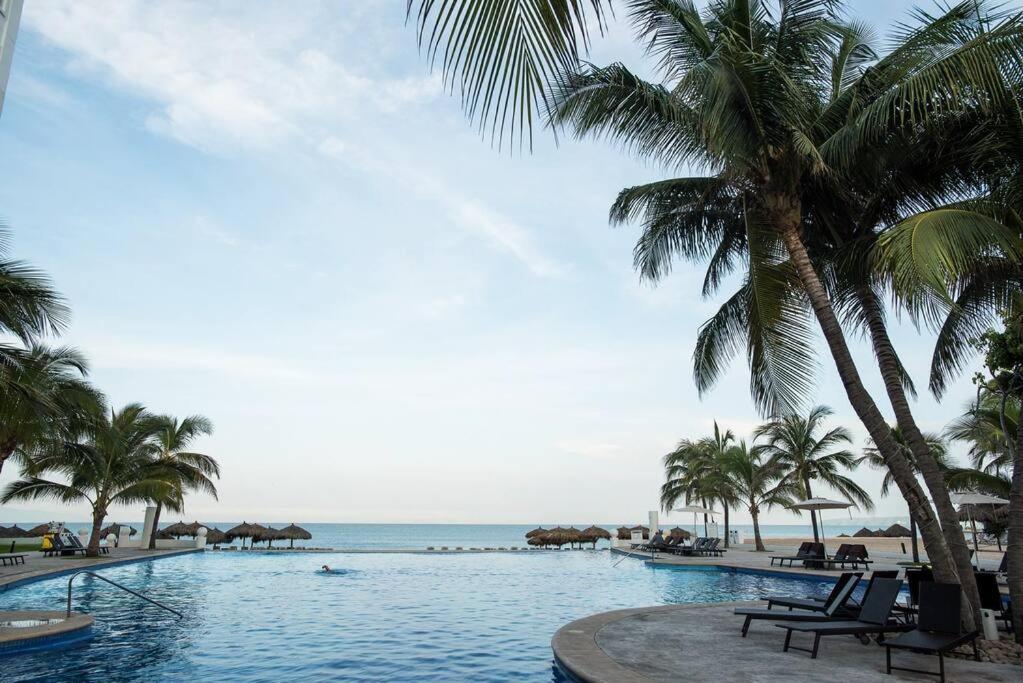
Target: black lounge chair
(804, 550)
(854, 554)
(59, 547)
(103, 549)
(814, 603)
(12, 558)
(991, 597)
(696, 548)
(937, 629)
(875, 618)
(836, 601)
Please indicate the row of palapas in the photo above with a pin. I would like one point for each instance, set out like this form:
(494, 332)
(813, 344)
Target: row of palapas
(256, 533)
(559, 536)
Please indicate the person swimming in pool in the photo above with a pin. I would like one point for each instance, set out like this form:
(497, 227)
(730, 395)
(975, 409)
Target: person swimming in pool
(326, 569)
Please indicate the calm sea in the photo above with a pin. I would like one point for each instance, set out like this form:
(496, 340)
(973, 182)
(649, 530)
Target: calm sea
(391, 536)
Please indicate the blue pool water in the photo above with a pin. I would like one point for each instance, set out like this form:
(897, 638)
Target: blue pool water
(390, 617)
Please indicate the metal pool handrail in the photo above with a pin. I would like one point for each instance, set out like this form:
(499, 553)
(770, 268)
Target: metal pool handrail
(114, 583)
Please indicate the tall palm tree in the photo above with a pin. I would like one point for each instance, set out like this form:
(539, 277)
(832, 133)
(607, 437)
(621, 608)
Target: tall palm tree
(29, 306)
(795, 441)
(759, 482)
(188, 470)
(110, 461)
(42, 393)
(776, 104)
(693, 472)
(872, 457)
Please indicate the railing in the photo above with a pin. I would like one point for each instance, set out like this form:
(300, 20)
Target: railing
(631, 553)
(114, 583)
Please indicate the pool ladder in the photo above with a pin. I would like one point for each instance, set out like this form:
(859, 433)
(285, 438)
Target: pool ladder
(124, 588)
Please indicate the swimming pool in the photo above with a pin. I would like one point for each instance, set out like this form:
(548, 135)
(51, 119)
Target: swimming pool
(273, 617)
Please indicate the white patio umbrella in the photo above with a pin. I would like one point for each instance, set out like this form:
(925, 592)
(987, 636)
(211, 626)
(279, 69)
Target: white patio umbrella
(696, 510)
(813, 504)
(971, 500)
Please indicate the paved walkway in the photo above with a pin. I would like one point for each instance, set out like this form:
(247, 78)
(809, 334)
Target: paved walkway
(702, 643)
(37, 566)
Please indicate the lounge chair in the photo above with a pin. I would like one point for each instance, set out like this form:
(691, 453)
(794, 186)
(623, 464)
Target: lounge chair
(836, 601)
(713, 548)
(12, 558)
(812, 603)
(105, 550)
(991, 597)
(875, 618)
(937, 629)
(802, 552)
(854, 555)
(693, 549)
(59, 547)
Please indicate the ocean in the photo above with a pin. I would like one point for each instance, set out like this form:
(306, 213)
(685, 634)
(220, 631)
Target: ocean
(395, 536)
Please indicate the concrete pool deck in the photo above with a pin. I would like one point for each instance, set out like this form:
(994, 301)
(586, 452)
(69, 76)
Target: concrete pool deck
(702, 643)
(38, 567)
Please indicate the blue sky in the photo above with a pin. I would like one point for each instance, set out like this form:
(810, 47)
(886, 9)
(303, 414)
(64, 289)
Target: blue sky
(282, 221)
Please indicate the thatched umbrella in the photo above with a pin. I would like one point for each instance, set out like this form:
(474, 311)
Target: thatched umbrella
(215, 537)
(679, 532)
(17, 532)
(624, 533)
(115, 529)
(537, 540)
(193, 529)
(594, 533)
(178, 530)
(538, 531)
(268, 534)
(897, 531)
(40, 530)
(245, 530)
(865, 533)
(645, 530)
(291, 532)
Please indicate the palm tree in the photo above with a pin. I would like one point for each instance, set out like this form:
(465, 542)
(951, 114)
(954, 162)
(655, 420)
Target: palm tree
(871, 456)
(42, 393)
(758, 482)
(693, 472)
(188, 470)
(111, 461)
(793, 440)
(29, 306)
(777, 106)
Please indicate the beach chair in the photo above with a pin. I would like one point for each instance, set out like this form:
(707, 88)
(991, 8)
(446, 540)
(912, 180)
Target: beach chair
(12, 558)
(812, 603)
(853, 554)
(803, 551)
(875, 618)
(937, 629)
(59, 547)
(836, 601)
(77, 543)
(853, 605)
(991, 597)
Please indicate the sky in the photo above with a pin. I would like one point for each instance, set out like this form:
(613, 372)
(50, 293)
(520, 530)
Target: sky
(282, 221)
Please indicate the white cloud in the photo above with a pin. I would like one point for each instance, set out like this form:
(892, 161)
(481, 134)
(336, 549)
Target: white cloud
(221, 79)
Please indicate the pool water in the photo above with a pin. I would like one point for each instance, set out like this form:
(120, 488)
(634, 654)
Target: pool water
(388, 617)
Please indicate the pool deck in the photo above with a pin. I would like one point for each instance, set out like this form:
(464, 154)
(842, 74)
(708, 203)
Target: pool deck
(703, 643)
(38, 567)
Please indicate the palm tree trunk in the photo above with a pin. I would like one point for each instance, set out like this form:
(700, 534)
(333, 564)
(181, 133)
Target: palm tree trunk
(156, 525)
(98, 514)
(726, 523)
(788, 221)
(912, 534)
(703, 502)
(934, 479)
(1014, 547)
(813, 517)
(755, 514)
